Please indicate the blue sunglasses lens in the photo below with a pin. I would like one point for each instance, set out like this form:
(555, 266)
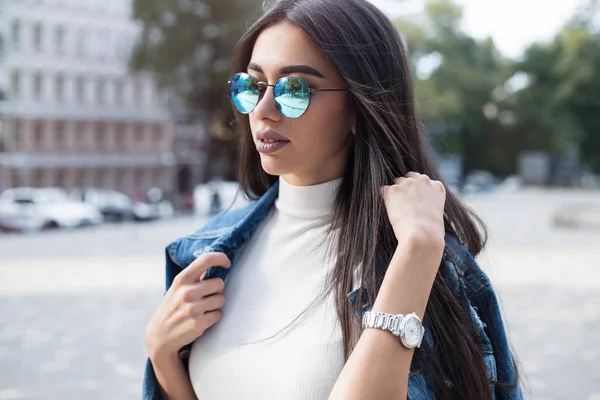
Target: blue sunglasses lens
(292, 97)
(244, 92)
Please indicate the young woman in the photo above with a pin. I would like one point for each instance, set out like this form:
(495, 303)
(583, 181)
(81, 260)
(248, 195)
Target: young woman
(349, 276)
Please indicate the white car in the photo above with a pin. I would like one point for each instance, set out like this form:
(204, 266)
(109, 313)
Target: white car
(31, 209)
(15, 218)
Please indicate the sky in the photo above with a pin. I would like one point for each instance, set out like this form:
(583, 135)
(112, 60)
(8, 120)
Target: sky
(512, 23)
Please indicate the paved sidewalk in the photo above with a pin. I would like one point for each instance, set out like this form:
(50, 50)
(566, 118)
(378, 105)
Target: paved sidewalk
(74, 305)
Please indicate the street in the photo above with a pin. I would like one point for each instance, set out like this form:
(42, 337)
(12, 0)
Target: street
(74, 304)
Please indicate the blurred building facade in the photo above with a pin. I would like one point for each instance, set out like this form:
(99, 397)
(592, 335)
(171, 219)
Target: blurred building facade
(189, 148)
(72, 114)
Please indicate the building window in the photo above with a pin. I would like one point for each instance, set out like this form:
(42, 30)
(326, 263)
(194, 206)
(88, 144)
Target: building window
(82, 42)
(103, 43)
(17, 134)
(15, 178)
(37, 178)
(103, 178)
(80, 136)
(138, 176)
(157, 135)
(79, 177)
(38, 86)
(60, 135)
(59, 88)
(38, 38)
(138, 133)
(157, 175)
(100, 91)
(120, 179)
(138, 92)
(119, 93)
(120, 136)
(16, 34)
(100, 138)
(152, 94)
(80, 89)
(38, 134)
(61, 178)
(60, 41)
(15, 84)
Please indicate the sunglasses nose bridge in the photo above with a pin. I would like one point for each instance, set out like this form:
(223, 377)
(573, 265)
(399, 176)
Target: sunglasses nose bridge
(266, 100)
(262, 90)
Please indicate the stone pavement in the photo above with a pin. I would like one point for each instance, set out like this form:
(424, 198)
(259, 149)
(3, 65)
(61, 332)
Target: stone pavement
(74, 346)
(72, 322)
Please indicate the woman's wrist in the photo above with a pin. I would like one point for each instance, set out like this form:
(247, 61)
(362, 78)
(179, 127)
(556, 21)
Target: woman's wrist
(172, 377)
(409, 278)
(421, 242)
(162, 357)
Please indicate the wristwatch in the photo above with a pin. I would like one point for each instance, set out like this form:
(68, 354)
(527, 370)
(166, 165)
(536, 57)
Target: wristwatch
(408, 328)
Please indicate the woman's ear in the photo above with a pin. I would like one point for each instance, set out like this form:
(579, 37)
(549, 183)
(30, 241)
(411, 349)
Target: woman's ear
(353, 129)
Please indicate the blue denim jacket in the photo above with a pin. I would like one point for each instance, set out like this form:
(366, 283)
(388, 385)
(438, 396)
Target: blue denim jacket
(229, 233)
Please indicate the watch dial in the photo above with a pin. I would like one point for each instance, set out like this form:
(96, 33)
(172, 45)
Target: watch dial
(412, 331)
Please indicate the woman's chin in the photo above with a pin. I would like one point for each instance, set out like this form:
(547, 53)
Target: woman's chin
(272, 165)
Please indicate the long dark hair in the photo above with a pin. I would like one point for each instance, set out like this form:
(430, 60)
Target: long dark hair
(369, 55)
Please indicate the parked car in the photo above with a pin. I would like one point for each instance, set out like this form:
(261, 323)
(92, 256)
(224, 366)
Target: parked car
(15, 218)
(114, 206)
(117, 206)
(478, 182)
(31, 209)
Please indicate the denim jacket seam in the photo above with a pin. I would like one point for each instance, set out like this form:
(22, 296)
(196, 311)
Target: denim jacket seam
(473, 281)
(211, 234)
(483, 284)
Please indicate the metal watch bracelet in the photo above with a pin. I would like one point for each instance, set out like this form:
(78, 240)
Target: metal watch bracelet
(379, 320)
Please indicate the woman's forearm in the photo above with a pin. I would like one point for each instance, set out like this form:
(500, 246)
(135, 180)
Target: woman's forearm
(379, 366)
(174, 380)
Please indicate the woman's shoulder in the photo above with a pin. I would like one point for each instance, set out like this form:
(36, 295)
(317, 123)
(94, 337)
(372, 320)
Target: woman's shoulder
(222, 223)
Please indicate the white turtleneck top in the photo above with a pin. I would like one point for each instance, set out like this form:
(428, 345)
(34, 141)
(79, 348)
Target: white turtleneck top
(278, 275)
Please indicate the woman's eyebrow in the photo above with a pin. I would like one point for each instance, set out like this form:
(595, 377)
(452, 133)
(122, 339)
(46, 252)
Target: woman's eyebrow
(299, 69)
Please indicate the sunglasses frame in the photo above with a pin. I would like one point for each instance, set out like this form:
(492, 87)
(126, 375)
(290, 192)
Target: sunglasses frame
(262, 87)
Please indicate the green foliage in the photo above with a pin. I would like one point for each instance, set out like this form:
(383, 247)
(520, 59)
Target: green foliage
(456, 92)
(486, 120)
(561, 104)
(188, 46)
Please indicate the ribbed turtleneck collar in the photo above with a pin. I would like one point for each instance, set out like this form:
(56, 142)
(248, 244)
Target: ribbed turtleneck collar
(307, 201)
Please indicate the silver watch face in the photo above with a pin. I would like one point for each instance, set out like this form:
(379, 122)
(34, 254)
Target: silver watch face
(413, 331)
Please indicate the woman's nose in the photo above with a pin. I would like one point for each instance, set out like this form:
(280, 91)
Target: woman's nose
(266, 107)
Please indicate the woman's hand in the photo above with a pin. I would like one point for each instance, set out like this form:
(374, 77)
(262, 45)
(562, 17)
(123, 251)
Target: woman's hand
(415, 208)
(189, 308)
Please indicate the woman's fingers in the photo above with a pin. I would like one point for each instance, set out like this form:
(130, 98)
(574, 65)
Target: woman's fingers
(198, 267)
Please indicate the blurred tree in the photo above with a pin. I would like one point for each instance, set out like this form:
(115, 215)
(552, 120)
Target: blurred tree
(188, 45)
(457, 77)
(560, 105)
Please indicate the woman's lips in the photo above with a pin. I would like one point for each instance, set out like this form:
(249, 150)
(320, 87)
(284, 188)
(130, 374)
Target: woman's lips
(268, 146)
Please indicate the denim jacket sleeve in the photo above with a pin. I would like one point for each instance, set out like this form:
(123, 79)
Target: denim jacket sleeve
(485, 303)
(487, 314)
(151, 387)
